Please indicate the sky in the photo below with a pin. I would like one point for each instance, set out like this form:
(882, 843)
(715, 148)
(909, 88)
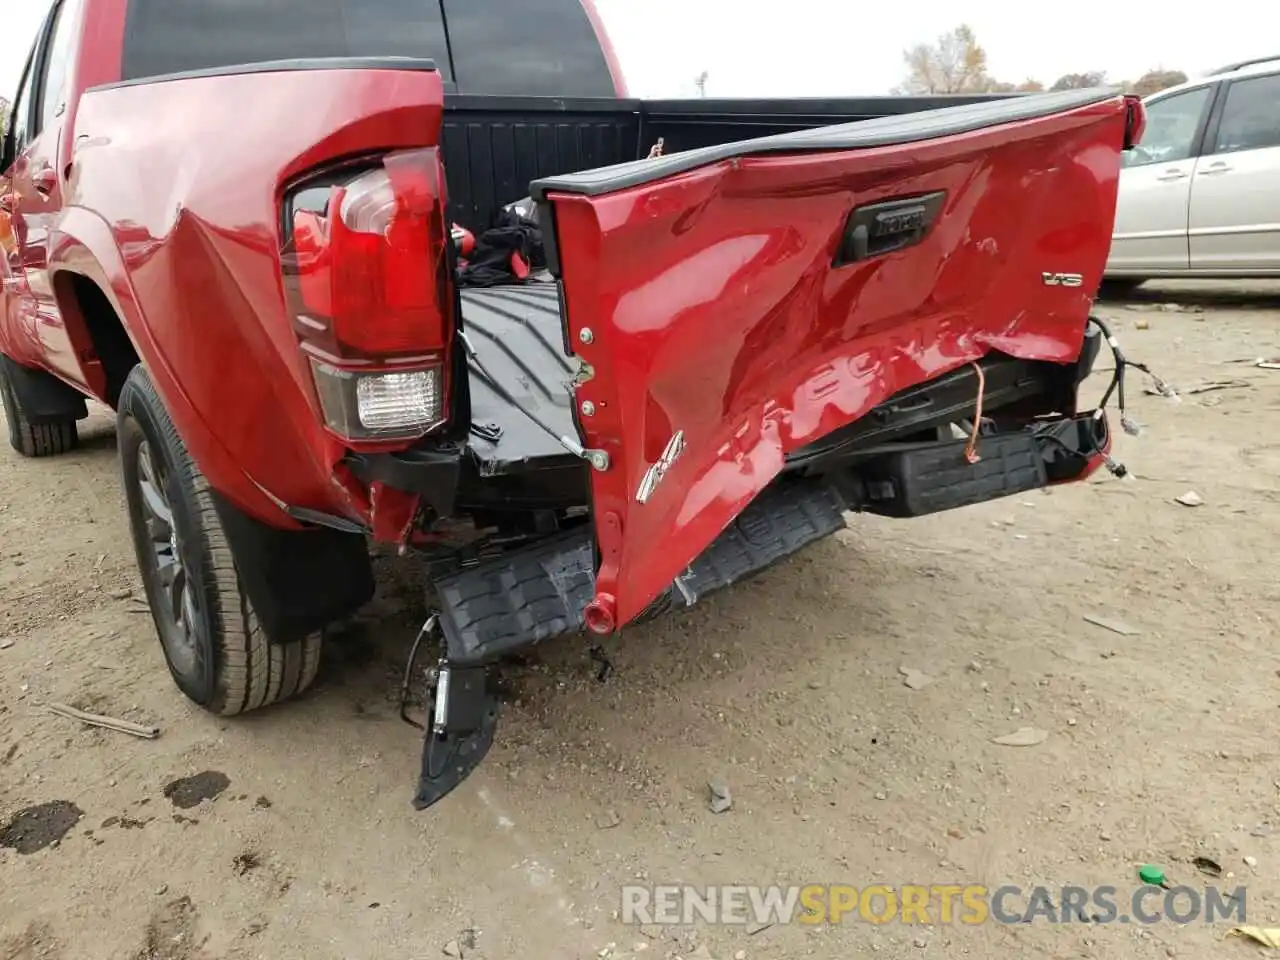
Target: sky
(846, 48)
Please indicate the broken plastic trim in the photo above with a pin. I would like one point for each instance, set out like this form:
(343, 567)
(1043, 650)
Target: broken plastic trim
(465, 718)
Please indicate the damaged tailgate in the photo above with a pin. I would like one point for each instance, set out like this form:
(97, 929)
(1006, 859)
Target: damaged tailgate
(732, 304)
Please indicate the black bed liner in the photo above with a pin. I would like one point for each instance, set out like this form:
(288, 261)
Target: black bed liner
(516, 332)
(880, 132)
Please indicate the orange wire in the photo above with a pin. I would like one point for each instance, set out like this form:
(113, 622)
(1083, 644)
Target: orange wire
(971, 448)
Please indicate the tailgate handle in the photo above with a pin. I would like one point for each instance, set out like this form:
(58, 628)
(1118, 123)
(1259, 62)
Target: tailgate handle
(890, 225)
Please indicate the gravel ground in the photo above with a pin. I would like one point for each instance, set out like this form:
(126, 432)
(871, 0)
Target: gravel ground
(289, 834)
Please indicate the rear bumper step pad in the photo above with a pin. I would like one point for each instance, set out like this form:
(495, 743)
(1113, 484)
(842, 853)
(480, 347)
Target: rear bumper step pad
(532, 595)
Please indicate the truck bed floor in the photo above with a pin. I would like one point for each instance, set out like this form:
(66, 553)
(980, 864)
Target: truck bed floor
(517, 333)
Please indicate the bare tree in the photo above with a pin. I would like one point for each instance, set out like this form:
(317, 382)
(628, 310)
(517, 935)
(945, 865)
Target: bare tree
(701, 83)
(1079, 81)
(954, 64)
(1156, 80)
(1026, 86)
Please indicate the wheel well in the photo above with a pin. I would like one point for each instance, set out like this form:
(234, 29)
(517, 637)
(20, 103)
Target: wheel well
(81, 299)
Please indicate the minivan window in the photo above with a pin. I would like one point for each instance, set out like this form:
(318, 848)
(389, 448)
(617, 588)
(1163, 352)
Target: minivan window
(177, 36)
(1251, 115)
(1172, 125)
(546, 48)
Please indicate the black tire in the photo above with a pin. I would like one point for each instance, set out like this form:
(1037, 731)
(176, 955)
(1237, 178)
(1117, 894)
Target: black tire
(34, 439)
(1118, 288)
(216, 651)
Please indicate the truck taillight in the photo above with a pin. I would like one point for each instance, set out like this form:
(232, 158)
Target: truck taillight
(366, 273)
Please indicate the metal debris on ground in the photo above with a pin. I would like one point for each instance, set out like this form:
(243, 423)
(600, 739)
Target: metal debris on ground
(1268, 364)
(1022, 737)
(1206, 387)
(1190, 499)
(1266, 936)
(608, 820)
(1115, 626)
(721, 799)
(5, 644)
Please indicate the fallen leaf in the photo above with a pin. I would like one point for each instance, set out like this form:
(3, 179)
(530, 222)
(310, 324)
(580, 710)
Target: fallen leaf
(1022, 737)
(1267, 936)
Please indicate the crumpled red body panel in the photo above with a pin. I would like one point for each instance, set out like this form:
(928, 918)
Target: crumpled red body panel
(715, 311)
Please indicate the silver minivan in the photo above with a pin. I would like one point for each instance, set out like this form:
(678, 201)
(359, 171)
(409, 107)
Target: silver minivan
(1200, 197)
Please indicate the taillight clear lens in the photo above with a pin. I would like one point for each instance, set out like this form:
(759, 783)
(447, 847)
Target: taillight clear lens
(379, 406)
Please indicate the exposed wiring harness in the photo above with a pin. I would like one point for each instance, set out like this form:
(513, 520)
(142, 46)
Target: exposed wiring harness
(1117, 380)
(1116, 387)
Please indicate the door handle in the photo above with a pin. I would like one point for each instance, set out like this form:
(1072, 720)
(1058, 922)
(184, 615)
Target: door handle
(1215, 168)
(1172, 174)
(45, 181)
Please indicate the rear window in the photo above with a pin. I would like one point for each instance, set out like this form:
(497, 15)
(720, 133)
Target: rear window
(176, 36)
(537, 48)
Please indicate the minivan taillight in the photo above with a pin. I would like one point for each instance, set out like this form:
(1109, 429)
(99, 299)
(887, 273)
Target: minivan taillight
(366, 270)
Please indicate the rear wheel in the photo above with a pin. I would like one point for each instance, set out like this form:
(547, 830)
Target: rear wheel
(45, 439)
(215, 648)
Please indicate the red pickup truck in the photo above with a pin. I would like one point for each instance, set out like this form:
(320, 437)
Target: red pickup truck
(232, 224)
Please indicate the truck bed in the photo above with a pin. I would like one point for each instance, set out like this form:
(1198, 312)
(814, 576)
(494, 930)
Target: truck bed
(517, 333)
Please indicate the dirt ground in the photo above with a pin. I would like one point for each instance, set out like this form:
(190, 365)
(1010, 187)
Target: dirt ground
(289, 835)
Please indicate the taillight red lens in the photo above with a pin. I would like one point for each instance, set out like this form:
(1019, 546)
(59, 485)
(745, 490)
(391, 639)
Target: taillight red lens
(371, 267)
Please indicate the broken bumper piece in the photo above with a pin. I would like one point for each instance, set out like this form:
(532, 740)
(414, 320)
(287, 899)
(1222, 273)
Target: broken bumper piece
(527, 596)
(522, 598)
